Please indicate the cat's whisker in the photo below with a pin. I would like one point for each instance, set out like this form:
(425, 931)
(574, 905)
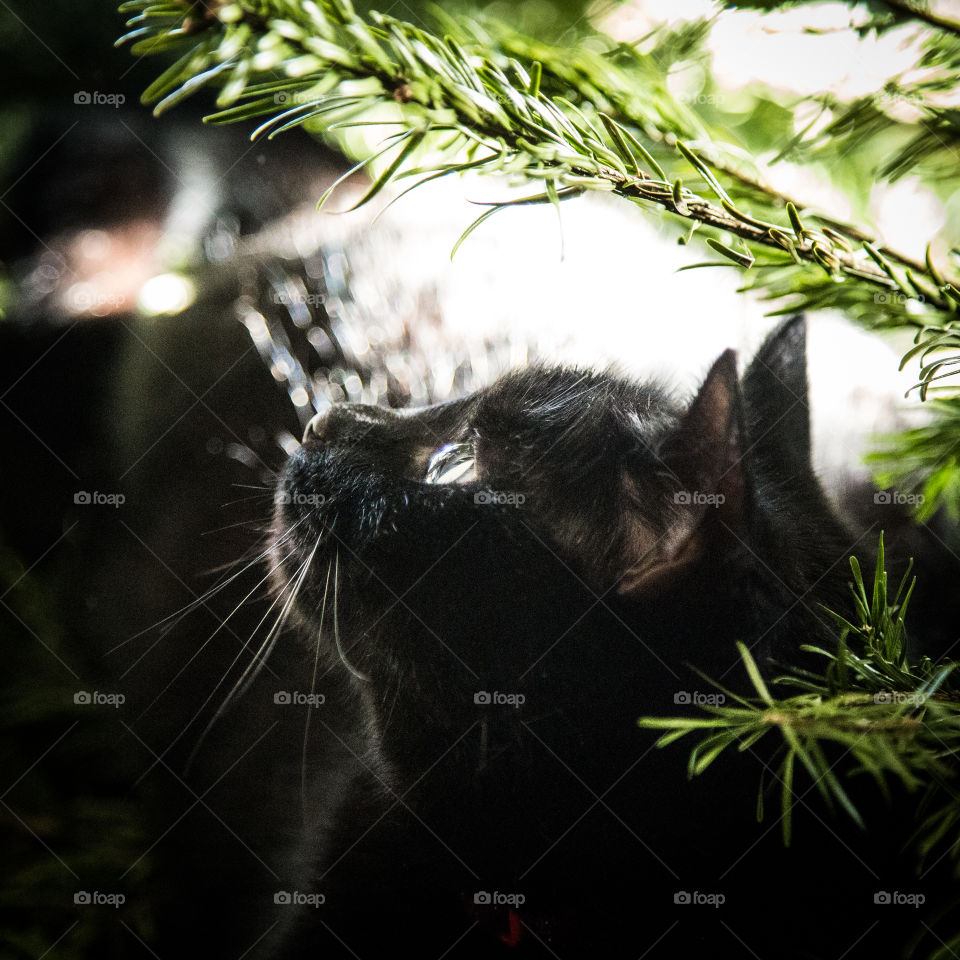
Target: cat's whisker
(209, 697)
(396, 696)
(263, 654)
(256, 496)
(178, 615)
(359, 674)
(252, 670)
(244, 558)
(278, 541)
(313, 685)
(264, 522)
(256, 663)
(223, 623)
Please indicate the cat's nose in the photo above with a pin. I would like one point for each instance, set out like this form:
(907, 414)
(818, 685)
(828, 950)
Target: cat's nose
(317, 426)
(347, 421)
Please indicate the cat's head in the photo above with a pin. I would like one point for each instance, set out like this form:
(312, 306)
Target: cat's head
(444, 525)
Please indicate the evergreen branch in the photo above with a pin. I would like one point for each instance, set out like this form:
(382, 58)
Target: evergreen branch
(898, 11)
(616, 80)
(925, 462)
(334, 67)
(917, 12)
(894, 719)
(934, 137)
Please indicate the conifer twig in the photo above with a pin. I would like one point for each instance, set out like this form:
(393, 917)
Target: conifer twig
(918, 12)
(895, 718)
(319, 55)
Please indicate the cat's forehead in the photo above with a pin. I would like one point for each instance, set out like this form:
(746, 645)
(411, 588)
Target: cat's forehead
(546, 393)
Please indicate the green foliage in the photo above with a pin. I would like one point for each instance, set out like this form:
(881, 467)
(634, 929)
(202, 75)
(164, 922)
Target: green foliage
(895, 719)
(925, 143)
(881, 14)
(925, 461)
(593, 115)
(482, 97)
(870, 710)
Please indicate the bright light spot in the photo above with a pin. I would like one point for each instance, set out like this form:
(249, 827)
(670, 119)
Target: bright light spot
(908, 211)
(300, 397)
(166, 293)
(80, 297)
(94, 244)
(777, 49)
(288, 443)
(353, 385)
(257, 328)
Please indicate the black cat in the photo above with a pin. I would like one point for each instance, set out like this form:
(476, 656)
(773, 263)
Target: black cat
(503, 584)
(586, 578)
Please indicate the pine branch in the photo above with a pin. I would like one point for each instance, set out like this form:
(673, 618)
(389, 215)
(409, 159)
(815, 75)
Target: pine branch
(896, 720)
(933, 138)
(886, 13)
(921, 13)
(594, 78)
(334, 67)
(924, 463)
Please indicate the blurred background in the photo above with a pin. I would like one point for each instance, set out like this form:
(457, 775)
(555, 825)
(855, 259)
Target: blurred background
(174, 311)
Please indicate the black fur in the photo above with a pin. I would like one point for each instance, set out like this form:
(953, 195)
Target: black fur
(637, 536)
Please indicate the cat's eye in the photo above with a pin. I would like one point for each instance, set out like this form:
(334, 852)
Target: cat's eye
(452, 463)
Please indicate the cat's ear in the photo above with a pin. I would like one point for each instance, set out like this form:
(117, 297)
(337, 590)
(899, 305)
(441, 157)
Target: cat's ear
(775, 391)
(702, 460)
